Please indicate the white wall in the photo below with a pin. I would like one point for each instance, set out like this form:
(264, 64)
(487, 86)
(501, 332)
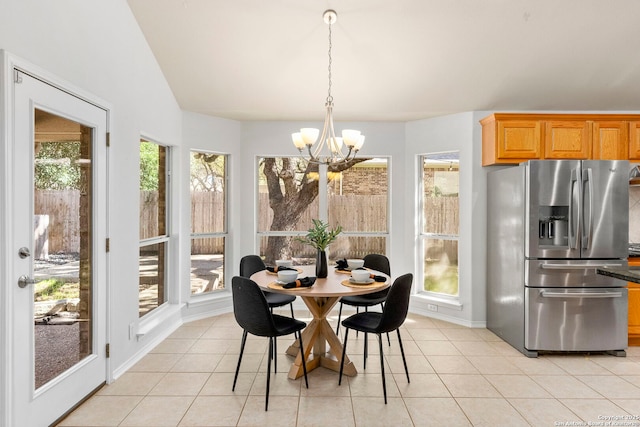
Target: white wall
(457, 132)
(97, 47)
(206, 133)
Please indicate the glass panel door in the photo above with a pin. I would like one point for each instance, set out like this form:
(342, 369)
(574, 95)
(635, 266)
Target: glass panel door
(58, 259)
(62, 240)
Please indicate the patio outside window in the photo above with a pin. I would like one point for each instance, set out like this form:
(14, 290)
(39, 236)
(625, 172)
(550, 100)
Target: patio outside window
(208, 183)
(154, 234)
(440, 223)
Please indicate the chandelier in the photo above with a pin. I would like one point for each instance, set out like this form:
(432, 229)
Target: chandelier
(328, 149)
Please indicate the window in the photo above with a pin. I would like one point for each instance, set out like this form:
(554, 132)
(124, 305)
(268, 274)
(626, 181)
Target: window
(154, 233)
(208, 182)
(440, 223)
(289, 197)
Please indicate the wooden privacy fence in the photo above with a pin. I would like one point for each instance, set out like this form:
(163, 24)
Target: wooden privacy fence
(62, 208)
(441, 215)
(353, 212)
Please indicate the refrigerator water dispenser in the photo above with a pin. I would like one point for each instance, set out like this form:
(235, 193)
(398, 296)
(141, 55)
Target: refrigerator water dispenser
(553, 226)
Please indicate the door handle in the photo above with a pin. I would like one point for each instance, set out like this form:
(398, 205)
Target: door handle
(588, 225)
(23, 281)
(547, 294)
(547, 266)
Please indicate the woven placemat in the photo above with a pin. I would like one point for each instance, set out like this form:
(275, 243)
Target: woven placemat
(356, 285)
(346, 271)
(274, 285)
(299, 270)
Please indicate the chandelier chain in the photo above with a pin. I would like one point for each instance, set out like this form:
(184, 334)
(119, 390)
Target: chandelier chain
(329, 97)
(328, 148)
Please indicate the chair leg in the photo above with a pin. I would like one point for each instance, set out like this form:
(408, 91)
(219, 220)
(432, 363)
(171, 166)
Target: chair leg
(406, 370)
(384, 382)
(344, 354)
(275, 355)
(366, 350)
(304, 362)
(266, 400)
(388, 339)
(293, 316)
(339, 315)
(244, 340)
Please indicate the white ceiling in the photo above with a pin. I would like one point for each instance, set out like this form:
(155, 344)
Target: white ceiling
(395, 60)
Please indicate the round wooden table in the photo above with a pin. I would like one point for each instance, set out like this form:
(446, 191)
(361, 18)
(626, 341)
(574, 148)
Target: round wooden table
(320, 299)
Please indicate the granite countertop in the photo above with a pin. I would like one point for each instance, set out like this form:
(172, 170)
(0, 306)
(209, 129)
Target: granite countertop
(630, 274)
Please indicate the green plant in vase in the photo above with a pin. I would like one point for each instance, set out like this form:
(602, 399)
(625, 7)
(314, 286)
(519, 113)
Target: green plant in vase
(320, 237)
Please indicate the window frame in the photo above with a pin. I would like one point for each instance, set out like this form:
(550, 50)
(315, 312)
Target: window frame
(160, 239)
(424, 236)
(323, 206)
(217, 234)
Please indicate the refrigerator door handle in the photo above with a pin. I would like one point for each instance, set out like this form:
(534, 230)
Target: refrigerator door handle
(547, 294)
(574, 225)
(588, 224)
(548, 266)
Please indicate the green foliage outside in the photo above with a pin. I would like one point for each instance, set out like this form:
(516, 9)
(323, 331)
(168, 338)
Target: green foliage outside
(207, 171)
(56, 166)
(55, 289)
(445, 282)
(149, 166)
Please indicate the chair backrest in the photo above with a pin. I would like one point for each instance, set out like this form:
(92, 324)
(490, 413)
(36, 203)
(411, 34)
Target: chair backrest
(397, 305)
(251, 264)
(250, 308)
(378, 262)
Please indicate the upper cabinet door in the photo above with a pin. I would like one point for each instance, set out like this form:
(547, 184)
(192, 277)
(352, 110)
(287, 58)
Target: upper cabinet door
(567, 139)
(634, 140)
(519, 139)
(510, 139)
(610, 140)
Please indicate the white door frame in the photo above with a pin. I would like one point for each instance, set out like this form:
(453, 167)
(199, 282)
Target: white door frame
(8, 63)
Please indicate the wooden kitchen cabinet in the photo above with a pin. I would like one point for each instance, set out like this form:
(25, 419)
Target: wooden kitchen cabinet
(634, 140)
(512, 138)
(610, 140)
(567, 139)
(510, 141)
(634, 307)
(634, 314)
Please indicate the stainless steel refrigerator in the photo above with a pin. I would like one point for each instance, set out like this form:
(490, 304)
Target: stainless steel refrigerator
(550, 224)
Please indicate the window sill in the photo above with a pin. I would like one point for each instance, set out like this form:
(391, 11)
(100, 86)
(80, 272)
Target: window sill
(156, 318)
(428, 300)
(206, 299)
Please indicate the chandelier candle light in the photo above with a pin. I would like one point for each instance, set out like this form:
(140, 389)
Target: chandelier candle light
(333, 153)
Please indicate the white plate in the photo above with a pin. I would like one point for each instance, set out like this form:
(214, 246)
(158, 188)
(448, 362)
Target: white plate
(280, 282)
(365, 282)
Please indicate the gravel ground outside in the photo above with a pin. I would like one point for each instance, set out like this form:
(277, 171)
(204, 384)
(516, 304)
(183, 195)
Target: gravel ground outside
(56, 344)
(57, 349)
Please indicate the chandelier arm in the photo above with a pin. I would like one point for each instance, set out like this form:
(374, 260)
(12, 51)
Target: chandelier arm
(311, 156)
(324, 135)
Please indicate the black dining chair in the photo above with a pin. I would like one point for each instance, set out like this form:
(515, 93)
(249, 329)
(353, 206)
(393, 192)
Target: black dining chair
(392, 317)
(254, 317)
(375, 262)
(251, 264)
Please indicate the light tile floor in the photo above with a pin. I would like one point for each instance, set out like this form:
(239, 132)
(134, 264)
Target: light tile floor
(459, 377)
